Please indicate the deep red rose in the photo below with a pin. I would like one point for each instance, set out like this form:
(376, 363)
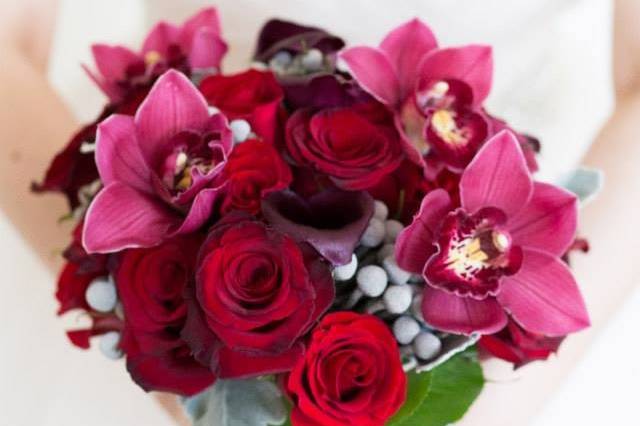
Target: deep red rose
(72, 286)
(70, 293)
(518, 346)
(351, 374)
(95, 263)
(252, 95)
(254, 170)
(356, 147)
(257, 294)
(151, 285)
(74, 279)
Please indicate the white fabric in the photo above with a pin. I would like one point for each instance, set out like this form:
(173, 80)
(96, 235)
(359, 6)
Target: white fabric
(552, 79)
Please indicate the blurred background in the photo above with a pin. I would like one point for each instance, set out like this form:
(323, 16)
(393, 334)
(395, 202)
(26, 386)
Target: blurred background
(566, 71)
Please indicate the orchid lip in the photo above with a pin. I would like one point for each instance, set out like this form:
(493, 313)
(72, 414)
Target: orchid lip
(473, 253)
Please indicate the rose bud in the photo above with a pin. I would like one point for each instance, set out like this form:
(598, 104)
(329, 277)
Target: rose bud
(518, 346)
(254, 170)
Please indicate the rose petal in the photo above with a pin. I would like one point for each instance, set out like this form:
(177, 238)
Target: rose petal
(462, 315)
(118, 155)
(169, 373)
(121, 217)
(373, 71)
(173, 105)
(472, 64)
(405, 46)
(497, 177)
(544, 297)
(415, 244)
(239, 365)
(548, 223)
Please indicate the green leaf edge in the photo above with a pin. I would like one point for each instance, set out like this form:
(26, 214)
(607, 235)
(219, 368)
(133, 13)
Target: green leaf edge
(409, 419)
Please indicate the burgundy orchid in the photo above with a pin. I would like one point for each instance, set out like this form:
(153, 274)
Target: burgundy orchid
(196, 45)
(499, 252)
(435, 93)
(158, 168)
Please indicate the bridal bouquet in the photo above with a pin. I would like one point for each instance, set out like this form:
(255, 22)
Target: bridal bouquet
(333, 236)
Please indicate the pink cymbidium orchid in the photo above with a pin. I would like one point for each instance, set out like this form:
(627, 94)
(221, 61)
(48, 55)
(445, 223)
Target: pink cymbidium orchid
(195, 46)
(158, 168)
(436, 93)
(498, 254)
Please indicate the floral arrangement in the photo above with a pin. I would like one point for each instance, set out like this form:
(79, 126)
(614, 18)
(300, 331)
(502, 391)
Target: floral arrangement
(334, 236)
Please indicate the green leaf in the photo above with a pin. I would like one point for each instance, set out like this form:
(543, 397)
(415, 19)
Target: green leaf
(443, 395)
(418, 385)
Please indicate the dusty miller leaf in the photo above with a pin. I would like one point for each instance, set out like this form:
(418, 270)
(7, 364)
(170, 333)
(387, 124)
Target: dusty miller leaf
(251, 402)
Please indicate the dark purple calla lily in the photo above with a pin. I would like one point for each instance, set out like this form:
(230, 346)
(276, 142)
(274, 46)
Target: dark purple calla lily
(331, 221)
(278, 35)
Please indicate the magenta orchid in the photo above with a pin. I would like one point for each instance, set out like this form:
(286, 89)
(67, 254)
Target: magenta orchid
(436, 93)
(195, 46)
(158, 168)
(499, 253)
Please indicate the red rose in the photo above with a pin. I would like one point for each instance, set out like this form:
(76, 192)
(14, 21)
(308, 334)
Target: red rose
(351, 374)
(151, 284)
(254, 170)
(258, 293)
(356, 147)
(252, 95)
(518, 346)
(74, 279)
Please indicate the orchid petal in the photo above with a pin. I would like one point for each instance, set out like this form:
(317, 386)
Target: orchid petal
(206, 18)
(497, 177)
(543, 297)
(173, 105)
(415, 244)
(462, 315)
(201, 210)
(160, 38)
(120, 217)
(548, 222)
(112, 61)
(373, 71)
(405, 46)
(118, 155)
(472, 64)
(113, 92)
(207, 50)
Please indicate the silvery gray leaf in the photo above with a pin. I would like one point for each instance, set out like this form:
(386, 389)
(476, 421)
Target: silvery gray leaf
(452, 344)
(252, 402)
(586, 183)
